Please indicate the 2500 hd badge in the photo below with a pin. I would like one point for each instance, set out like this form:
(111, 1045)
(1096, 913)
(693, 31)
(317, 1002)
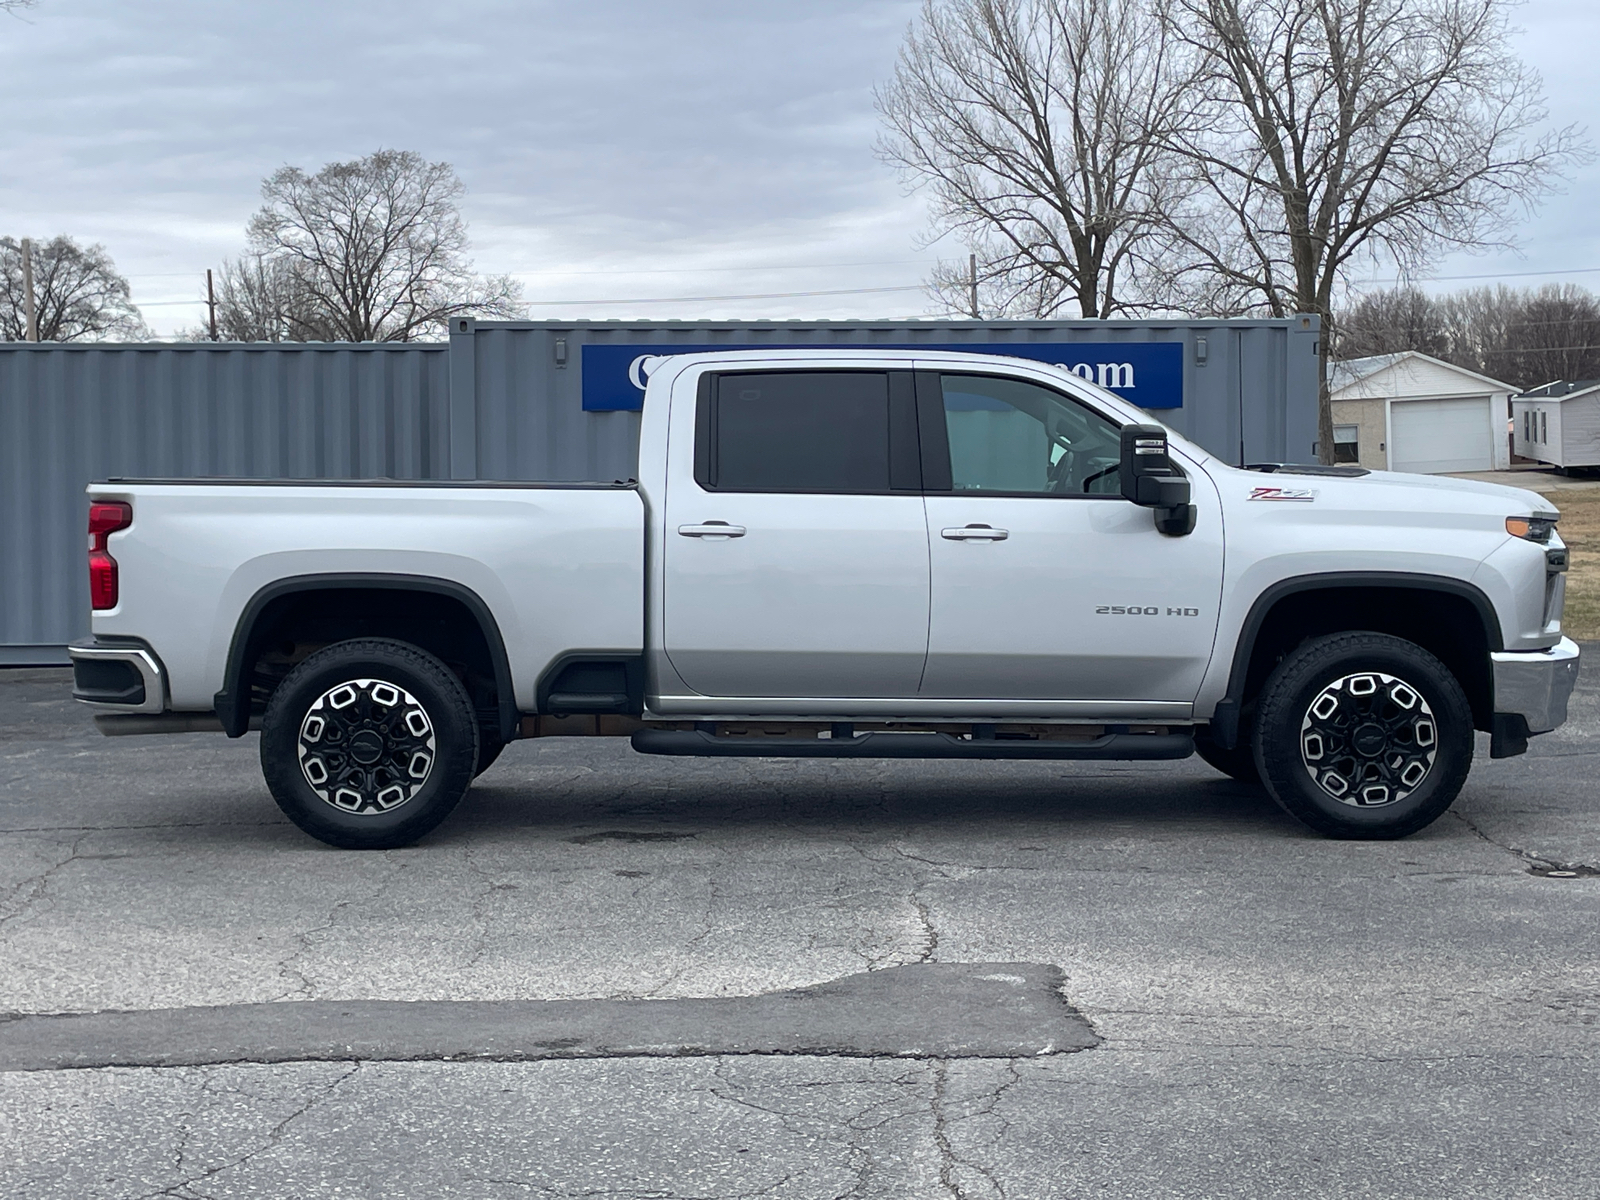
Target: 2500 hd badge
(1148, 610)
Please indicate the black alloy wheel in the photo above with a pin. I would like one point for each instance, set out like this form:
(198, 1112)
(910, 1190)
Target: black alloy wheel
(1363, 735)
(369, 744)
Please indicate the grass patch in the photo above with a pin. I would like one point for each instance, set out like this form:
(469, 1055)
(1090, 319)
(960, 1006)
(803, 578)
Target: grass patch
(1580, 529)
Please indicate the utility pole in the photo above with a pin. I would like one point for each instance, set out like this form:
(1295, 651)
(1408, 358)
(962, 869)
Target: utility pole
(972, 276)
(211, 304)
(30, 313)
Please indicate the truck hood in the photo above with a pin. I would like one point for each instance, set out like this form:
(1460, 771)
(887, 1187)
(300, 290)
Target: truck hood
(1424, 492)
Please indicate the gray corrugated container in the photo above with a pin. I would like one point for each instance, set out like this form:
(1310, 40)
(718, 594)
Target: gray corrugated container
(501, 400)
(1249, 387)
(71, 414)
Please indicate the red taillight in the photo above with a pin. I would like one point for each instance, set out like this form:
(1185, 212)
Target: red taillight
(105, 518)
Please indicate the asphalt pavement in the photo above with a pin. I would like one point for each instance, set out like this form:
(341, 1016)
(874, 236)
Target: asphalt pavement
(612, 975)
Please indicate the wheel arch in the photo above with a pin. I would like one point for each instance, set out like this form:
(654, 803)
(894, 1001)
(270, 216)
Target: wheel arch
(261, 616)
(1450, 618)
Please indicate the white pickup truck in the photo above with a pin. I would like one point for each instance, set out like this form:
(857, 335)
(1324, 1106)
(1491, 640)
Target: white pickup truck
(843, 553)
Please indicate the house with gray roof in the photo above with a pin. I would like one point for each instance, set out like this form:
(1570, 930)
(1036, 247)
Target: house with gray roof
(1413, 412)
(1559, 423)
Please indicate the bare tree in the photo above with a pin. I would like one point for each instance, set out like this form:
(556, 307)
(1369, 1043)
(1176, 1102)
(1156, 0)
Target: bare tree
(1389, 321)
(1477, 322)
(375, 248)
(1554, 335)
(1035, 126)
(1522, 337)
(260, 299)
(1326, 129)
(77, 294)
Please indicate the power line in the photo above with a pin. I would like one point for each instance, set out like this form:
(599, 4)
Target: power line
(915, 287)
(1498, 275)
(810, 266)
(886, 262)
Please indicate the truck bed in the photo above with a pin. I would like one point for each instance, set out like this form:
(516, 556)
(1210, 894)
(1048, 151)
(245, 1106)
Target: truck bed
(559, 565)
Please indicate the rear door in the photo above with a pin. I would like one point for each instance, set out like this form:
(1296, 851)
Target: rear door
(796, 559)
(1047, 584)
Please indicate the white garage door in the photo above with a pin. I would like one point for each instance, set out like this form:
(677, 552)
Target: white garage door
(1431, 436)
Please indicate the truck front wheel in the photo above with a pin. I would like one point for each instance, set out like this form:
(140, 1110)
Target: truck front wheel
(369, 744)
(1363, 735)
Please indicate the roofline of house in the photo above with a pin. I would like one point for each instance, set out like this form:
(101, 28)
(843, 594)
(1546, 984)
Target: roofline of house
(1593, 387)
(1403, 355)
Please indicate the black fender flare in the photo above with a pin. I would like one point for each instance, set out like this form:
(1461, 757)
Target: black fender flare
(232, 703)
(1225, 719)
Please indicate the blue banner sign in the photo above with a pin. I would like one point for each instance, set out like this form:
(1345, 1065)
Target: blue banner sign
(1149, 374)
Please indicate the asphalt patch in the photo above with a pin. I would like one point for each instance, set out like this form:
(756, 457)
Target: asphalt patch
(923, 1010)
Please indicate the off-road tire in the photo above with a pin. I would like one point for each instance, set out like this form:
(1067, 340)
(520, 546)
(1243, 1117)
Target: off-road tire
(384, 776)
(1372, 717)
(1238, 763)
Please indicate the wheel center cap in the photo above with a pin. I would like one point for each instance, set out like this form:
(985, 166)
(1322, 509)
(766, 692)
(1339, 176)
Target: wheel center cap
(366, 747)
(1369, 740)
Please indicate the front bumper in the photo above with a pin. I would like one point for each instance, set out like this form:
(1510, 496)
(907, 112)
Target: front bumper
(117, 678)
(1535, 684)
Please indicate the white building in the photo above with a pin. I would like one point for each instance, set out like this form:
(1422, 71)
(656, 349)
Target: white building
(1559, 423)
(1412, 412)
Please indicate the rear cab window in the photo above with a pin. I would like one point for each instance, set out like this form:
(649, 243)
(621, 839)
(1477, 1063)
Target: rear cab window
(850, 432)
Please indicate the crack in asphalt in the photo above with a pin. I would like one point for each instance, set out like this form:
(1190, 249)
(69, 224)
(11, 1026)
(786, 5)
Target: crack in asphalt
(479, 907)
(302, 938)
(631, 1193)
(930, 933)
(950, 1161)
(1531, 858)
(40, 883)
(185, 1188)
(857, 1123)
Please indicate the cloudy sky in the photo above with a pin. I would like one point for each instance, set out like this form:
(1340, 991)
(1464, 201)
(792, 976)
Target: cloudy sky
(614, 151)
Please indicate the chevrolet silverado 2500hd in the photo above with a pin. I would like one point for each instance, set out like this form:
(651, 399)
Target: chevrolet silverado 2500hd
(843, 553)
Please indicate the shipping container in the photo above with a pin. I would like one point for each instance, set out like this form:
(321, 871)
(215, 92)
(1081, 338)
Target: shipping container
(554, 400)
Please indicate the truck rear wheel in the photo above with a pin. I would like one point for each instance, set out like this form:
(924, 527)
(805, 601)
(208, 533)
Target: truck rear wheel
(369, 744)
(1363, 735)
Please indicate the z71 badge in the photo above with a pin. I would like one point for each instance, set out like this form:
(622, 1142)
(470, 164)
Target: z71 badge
(1277, 493)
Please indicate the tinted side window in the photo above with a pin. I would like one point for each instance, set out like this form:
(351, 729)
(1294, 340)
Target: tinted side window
(802, 431)
(1007, 435)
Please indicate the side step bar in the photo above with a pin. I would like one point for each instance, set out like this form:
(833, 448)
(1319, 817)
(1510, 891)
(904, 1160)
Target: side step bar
(698, 743)
(132, 724)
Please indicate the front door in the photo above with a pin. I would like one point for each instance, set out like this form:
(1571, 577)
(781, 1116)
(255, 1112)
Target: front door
(796, 560)
(1046, 583)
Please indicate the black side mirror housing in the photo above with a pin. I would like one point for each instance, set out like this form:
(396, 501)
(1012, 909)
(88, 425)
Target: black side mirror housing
(1150, 480)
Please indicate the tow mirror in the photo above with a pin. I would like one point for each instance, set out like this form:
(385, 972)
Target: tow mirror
(1151, 481)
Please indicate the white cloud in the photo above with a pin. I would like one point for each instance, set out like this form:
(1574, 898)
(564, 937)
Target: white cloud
(609, 148)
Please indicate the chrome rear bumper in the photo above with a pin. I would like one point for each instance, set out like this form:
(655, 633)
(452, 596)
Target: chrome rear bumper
(1535, 684)
(117, 679)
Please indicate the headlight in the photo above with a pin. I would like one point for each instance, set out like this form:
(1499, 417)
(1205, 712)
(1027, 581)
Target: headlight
(1533, 529)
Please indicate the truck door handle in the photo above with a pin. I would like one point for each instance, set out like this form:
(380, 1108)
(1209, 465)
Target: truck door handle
(712, 529)
(976, 533)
